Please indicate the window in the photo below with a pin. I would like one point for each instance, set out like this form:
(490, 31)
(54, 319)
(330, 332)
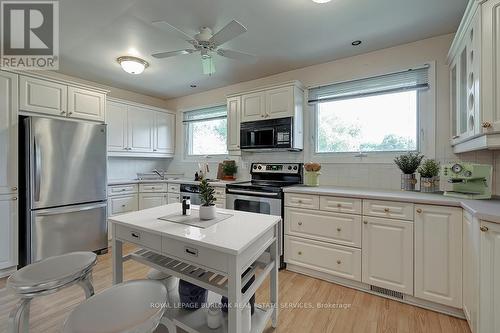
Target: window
(373, 115)
(206, 131)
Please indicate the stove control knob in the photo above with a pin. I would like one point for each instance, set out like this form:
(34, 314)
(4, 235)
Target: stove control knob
(260, 167)
(289, 167)
(255, 166)
(295, 168)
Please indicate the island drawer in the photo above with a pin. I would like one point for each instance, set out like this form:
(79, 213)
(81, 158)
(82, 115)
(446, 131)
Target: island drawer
(174, 188)
(343, 229)
(122, 189)
(336, 260)
(153, 187)
(389, 209)
(139, 237)
(123, 204)
(302, 200)
(195, 254)
(340, 205)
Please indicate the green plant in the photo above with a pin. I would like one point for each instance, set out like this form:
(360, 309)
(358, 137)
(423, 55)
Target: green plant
(408, 163)
(429, 169)
(229, 169)
(207, 197)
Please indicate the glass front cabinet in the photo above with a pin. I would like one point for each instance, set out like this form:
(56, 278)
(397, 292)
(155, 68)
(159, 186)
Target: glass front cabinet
(475, 79)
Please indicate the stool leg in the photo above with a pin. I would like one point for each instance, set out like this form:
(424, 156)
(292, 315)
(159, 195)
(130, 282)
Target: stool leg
(86, 284)
(19, 318)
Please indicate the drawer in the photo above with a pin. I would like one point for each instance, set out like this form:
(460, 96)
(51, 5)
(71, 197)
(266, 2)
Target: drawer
(174, 198)
(302, 200)
(153, 187)
(195, 254)
(340, 205)
(336, 260)
(174, 188)
(122, 189)
(220, 192)
(123, 204)
(146, 239)
(390, 209)
(220, 204)
(343, 229)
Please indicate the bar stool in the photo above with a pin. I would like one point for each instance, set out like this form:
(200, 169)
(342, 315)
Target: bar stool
(129, 307)
(46, 277)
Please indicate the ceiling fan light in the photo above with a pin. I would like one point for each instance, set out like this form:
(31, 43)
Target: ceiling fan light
(208, 65)
(132, 65)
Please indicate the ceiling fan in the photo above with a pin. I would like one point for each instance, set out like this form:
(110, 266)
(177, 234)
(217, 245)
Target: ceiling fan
(207, 43)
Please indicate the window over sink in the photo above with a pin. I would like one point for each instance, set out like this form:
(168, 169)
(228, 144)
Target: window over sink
(205, 131)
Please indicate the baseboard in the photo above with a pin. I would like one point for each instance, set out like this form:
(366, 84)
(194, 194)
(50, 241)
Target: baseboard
(407, 299)
(7, 271)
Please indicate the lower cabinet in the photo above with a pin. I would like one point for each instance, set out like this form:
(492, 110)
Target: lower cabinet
(471, 248)
(8, 227)
(174, 198)
(388, 254)
(489, 299)
(337, 260)
(150, 200)
(438, 254)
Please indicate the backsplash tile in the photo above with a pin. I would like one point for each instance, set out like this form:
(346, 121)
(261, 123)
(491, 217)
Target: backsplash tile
(127, 168)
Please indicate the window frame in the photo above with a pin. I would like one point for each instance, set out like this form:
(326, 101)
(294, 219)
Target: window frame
(426, 131)
(187, 157)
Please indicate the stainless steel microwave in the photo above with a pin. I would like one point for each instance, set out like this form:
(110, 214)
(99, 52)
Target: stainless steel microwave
(272, 134)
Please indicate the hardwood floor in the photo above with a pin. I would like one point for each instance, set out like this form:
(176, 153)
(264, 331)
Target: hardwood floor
(362, 313)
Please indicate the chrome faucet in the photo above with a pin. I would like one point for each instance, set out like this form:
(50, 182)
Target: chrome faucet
(161, 175)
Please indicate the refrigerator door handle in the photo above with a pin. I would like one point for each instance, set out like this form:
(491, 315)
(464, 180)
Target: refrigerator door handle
(72, 209)
(37, 163)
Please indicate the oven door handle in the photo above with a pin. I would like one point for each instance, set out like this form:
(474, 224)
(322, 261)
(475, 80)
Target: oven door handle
(265, 194)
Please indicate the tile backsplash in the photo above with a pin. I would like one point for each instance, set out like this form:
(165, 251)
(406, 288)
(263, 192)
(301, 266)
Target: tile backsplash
(127, 168)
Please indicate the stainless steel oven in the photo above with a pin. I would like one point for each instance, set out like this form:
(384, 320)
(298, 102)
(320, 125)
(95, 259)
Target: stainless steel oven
(262, 204)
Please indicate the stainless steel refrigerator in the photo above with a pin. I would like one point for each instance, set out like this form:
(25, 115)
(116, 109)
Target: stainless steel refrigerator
(65, 208)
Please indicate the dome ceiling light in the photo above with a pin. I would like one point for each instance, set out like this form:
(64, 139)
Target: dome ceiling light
(132, 65)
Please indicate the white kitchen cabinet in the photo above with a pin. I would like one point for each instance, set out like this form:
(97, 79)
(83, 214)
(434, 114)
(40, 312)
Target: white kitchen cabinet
(387, 254)
(233, 123)
(8, 133)
(150, 200)
(42, 96)
(253, 106)
(280, 102)
(8, 234)
(489, 303)
(164, 133)
(140, 130)
(173, 198)
(438, 254)
(470, 265)
(116, 117)
(86, 104)
(122, 204)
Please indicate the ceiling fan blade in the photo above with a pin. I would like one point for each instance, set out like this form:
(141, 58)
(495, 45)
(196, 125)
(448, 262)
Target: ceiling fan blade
(230, 31)
(174, 31)
(162, 55)
(236, 55)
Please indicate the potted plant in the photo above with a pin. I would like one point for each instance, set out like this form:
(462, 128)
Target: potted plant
(311, 177)
(229, 169)
(408, 163)
(207, 198)
(429, 172)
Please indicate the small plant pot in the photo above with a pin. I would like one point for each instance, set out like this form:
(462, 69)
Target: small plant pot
(408, 182)
(226, 177)
(207, 212)
(429, 184)
(311, 178)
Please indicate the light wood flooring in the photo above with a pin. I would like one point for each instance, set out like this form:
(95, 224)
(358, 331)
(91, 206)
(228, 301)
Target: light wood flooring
(367, 313)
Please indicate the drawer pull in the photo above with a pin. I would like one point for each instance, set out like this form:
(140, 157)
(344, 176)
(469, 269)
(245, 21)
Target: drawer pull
(124, 206)
(339, 205)
(339, 262)
(419, 211)
(483, 228)
(365, 222)
(135, 235)
(14, 198)
(339, 229)
(299, 201)
(300, 253)
(123, 189)
(387, 210)
(14, 189)
(300, 223)
(191, 251)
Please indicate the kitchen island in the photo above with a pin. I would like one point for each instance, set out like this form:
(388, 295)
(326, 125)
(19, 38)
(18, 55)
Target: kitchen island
(214, 258)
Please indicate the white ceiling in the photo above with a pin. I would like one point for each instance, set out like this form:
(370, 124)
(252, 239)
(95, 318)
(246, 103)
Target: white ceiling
(284, 34)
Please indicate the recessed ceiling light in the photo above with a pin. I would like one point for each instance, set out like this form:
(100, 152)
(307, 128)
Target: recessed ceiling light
(132, 65)
(321, 1)
(193, 85)
(356, 43)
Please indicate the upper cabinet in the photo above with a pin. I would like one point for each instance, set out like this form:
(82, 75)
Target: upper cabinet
(136, 130)
(59, 98)
(475, 79)
(8, 133)
(233, 123)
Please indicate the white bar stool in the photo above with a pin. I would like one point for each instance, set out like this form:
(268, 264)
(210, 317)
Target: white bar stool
(129, 307)
(46, 277)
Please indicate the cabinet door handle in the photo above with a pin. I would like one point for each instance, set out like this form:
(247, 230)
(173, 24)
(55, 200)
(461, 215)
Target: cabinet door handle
(300, 223)
(14, 198)
(419, 211)
(455, 136)
(387, 210)
(191, 251)
(339, 229)
(483, 228)
(365, 222)
(135, 235)
(63, 112)
(124, 205)
(14, 188)
(339, 205)
(339, 262)
(486, 124)
(300, 253)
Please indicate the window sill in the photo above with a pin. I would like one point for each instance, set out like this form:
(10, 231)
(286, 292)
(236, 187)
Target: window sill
(350, 158)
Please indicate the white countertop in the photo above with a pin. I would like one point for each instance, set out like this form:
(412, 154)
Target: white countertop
(487, 210)
(218, 183)
(232, 235)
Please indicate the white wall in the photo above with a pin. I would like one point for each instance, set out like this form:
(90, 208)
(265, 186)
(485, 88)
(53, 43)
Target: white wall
(385, 176)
